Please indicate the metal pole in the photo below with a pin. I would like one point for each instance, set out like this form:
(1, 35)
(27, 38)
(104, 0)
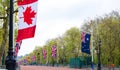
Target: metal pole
(99, 48)
(57, 54)
(92, 52)
(47, 57)
(10, 60)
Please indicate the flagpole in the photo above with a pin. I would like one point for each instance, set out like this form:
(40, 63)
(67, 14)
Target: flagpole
(41, 54)
(92, 49)
(47, 56)
(57, 54)
(10, 60)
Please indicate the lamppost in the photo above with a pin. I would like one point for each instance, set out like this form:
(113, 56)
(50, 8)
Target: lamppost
(10, 60)
(41, 57)
(63, 53)
(38, 56)
(99, 53)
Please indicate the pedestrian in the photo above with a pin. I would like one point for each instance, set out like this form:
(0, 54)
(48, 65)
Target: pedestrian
(113, 65)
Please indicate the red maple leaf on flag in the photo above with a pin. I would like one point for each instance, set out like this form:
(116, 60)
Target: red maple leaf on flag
(28, 15)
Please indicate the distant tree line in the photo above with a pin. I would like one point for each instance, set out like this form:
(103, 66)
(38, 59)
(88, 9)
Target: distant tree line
(104, 29)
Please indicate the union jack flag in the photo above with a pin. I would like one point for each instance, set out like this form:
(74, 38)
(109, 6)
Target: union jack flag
(17, 47)
(54, 49)
(83, 36)
(44, 53)
(33, 58)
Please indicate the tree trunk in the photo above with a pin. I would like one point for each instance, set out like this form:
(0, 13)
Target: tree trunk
(5, 37)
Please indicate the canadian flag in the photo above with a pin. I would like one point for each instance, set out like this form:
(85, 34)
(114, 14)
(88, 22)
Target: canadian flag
(27, 16)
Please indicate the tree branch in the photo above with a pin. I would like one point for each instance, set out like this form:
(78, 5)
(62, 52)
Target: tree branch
(2, 17)
(15, 11)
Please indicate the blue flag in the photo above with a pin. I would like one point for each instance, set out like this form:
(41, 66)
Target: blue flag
(85, 43)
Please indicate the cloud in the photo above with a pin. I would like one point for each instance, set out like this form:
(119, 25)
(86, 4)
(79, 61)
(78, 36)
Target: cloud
(55, 9)
(53, 28)
(57, 16)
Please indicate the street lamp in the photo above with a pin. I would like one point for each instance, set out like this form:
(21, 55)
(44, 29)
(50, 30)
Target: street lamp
(99, 53)
(10, 60)
(63, 55)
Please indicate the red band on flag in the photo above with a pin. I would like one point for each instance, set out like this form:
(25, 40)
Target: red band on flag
(23, 2)
(26, 33)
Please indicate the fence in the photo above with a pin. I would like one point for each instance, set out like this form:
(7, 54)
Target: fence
(2, 67)
(80, 62)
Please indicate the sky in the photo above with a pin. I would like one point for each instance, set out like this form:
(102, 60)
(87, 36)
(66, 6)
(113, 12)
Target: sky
(55, 17)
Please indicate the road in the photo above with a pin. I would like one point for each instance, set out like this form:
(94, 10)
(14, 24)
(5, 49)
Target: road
(47, 68)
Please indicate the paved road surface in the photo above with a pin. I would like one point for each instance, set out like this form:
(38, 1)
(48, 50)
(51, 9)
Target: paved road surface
(47, 68)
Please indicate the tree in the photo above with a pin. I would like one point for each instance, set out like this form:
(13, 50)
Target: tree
(106, 29)
(4, 11)
(4, 19)
(72, 39)
(109, 35)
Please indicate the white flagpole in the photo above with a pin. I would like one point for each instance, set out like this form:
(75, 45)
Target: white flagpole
(92, 44)
(57, 51)
(47, 56)
(92, 50)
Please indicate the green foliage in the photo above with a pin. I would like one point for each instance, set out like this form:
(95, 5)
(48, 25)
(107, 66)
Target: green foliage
(72, 39)
(4, 7)
(107, 30)
(1, 37)
(104, 28)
